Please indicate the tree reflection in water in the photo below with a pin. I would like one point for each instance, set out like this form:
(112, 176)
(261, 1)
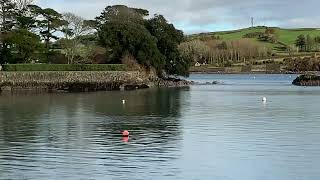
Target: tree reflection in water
(34, 127)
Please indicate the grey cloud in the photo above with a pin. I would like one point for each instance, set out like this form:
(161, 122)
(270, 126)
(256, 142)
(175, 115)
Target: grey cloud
(203, 13)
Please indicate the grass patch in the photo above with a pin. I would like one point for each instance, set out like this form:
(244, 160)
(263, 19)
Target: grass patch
(285, 36)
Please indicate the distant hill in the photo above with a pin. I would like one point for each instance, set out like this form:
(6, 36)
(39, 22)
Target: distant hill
(285, 37)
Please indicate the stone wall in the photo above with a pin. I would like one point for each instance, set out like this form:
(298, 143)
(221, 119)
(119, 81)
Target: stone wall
(74, 80)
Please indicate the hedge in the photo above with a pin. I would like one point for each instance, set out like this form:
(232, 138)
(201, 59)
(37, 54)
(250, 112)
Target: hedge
(64, 67)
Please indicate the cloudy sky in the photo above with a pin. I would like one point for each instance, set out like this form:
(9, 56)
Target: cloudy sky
(208, 15)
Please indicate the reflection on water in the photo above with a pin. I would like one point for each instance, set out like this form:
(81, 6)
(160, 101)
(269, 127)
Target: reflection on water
(78, 135)
(203, 132)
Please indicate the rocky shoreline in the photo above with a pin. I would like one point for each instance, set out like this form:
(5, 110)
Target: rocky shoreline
(71, 81)
(307, 80)
(85, 81)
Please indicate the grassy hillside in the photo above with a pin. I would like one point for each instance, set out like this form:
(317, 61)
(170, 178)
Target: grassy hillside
(288, 36)
(285, 36)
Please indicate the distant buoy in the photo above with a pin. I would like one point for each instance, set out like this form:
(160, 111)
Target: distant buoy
(125, 133)
(264, 99)
(123, 101)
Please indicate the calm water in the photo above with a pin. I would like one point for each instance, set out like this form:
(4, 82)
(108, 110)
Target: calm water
(202, 132)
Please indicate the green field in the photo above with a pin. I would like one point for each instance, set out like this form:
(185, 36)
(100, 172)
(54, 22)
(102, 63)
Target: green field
(285, 36)
(288, 36)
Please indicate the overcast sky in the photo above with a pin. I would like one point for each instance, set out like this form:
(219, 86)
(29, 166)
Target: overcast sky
(208, 15)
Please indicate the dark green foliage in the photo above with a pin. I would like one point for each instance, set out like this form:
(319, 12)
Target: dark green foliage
(25, 22)
(253, 35)
(8, 12)
(168, 40)
(153, 43)
(25, 45)
(301, 42)
(50, 22)
(121, 30)
(121, 37)
(271, 38)
(310, 43)
(307, 80)
(208, 38)
(88, 39)
(5, 55)
(317, 39)
(54, 57)
(121, 13)
(267, 36)
(64, 67)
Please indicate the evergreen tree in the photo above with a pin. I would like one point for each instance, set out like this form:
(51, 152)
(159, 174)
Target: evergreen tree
(168, 39)
(301, 42)
(8, 13)
(50, 22)
(309, 43)
(25, 44)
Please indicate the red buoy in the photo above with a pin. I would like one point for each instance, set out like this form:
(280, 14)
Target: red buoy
(125, 139)
(125, 133)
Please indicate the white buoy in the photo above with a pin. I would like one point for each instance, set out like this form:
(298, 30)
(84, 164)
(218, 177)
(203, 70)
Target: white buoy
(123, 101)
(264, 99)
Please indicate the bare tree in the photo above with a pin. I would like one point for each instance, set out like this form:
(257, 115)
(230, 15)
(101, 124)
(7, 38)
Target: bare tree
(221, 52)
(22, 4)
(75, 28)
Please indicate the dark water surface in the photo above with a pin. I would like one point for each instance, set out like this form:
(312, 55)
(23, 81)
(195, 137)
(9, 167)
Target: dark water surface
(202, 132)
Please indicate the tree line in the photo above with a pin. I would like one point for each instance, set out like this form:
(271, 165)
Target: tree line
(120, 34)
(224, 53)
(307, 43)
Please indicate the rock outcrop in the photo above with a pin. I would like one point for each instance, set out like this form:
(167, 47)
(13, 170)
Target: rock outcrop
(85, 81)
(307, 80)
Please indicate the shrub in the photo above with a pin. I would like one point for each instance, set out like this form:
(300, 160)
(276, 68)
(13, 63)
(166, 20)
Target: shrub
(64, 67)
(302, 64)
(273, 67)
(271, 38)
(253, 35)
(55, 57)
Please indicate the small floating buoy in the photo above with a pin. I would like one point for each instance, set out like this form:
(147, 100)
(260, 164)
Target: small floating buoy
(264, 99)
(125, 139)
(123, 101)
(125, 133)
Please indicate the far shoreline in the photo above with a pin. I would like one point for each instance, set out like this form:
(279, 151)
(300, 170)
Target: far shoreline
(262, 73)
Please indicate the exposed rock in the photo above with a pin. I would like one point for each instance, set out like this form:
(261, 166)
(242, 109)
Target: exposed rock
(173, 82)
(73, 81)
(206, 83)
(307, 80)
(85, 81)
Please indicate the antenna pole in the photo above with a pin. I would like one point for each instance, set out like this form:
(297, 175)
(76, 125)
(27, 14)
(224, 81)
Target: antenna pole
(252, 22)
